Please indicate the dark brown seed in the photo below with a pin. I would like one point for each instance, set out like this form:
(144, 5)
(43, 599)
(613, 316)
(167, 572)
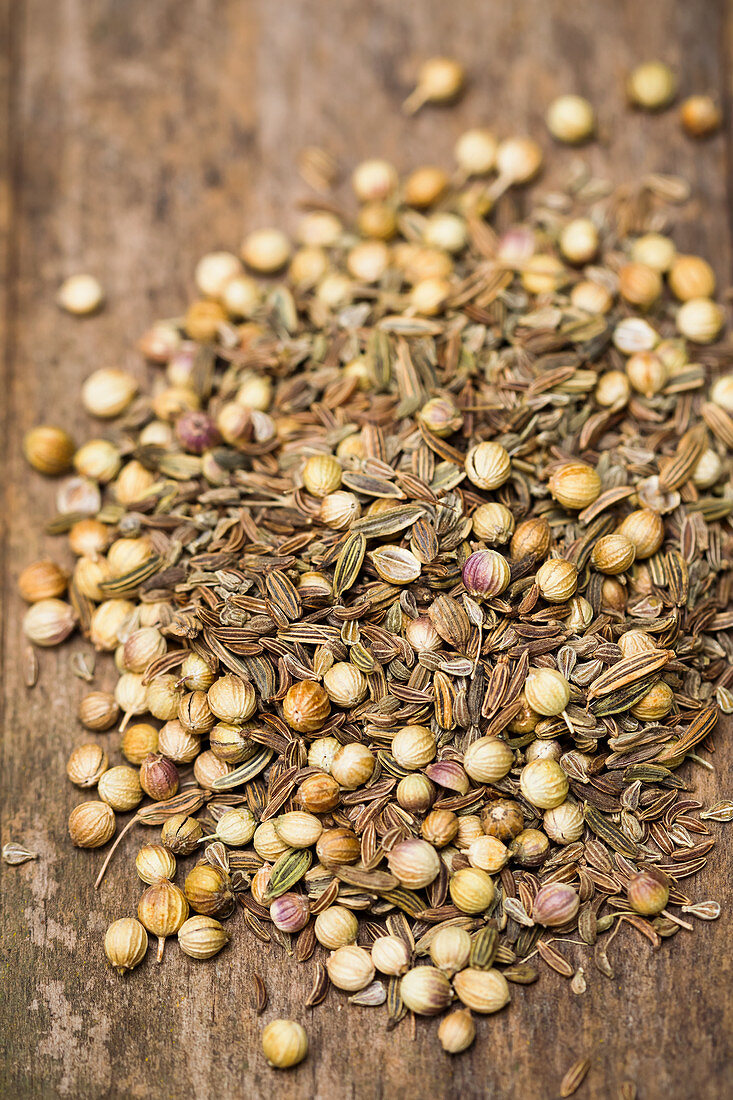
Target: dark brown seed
(319, 989)
(260, 994)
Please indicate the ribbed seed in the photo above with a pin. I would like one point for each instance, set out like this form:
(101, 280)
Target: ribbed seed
(451, 621)
(244, 772)
(283, 593)
(388, 523)
(521, 973)
(406, 900)
(395, 1005)
(483, 949)
(702, 724)
(628, 671)
(186, 803)
(719, 422)
(319, 989)
(372, 486)
(129, 583)
(608, 832)
(424, 541)
(678, 577)
(287, 871)
(444, 700)
(554, 959)
(574, 1077)
(349, 563)
(678, 469)
(623, 698)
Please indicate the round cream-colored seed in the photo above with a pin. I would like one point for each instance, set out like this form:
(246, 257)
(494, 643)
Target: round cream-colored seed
(557, 580)
(488, 760)
(570, 119)
(425, 990)
(213, 272)
(544, 784)
(390, 955)
(700, 320)
(579, 241)
(266, 250)
(350, 968)
(547, 691)
(483, 991)
(336, 927)
(564, 823)
(471, 890)
(80, 295)
(450, 949)
(488, 854)
(284, 1043)
(413, 747)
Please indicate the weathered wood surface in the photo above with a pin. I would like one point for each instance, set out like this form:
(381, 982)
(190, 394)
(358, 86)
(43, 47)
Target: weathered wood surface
(142, 134)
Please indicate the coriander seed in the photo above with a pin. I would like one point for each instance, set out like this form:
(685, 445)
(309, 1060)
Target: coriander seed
(125, 944)
(350, 968)
(450, 949)
(488, 760)
(266, 250)
(575, 485)
(390, 955)
(557, 580)
(120, 787)
(555, 905)
(98, 710)
(425, 991)
(475, 152)
(91, 824)
(181, 834)
(284, 1043)
(457, 1031)
(544, 784)
(139, 741)
(162, 909)
(570, 119)
(471, 890)
(48, 622)
(158, 777)
(484, 991)
(43, 580)
(154, 863)
(290, 912)
(86, 765)
(202, 937)
(651, 85)
(648, 892)
(700, 116)
(48, 450)
(208, 891)
(336, 927)
(439, 80)
(700, 320)
(80, 295)
(414, 862)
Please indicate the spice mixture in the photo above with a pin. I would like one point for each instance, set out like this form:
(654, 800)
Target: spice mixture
(414, 564)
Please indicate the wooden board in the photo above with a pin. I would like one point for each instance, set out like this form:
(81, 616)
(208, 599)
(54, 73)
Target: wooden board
(140, 135)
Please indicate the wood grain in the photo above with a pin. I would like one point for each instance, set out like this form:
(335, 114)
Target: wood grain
(140, 135)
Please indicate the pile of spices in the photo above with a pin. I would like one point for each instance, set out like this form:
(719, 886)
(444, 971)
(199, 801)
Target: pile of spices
(414, 564)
